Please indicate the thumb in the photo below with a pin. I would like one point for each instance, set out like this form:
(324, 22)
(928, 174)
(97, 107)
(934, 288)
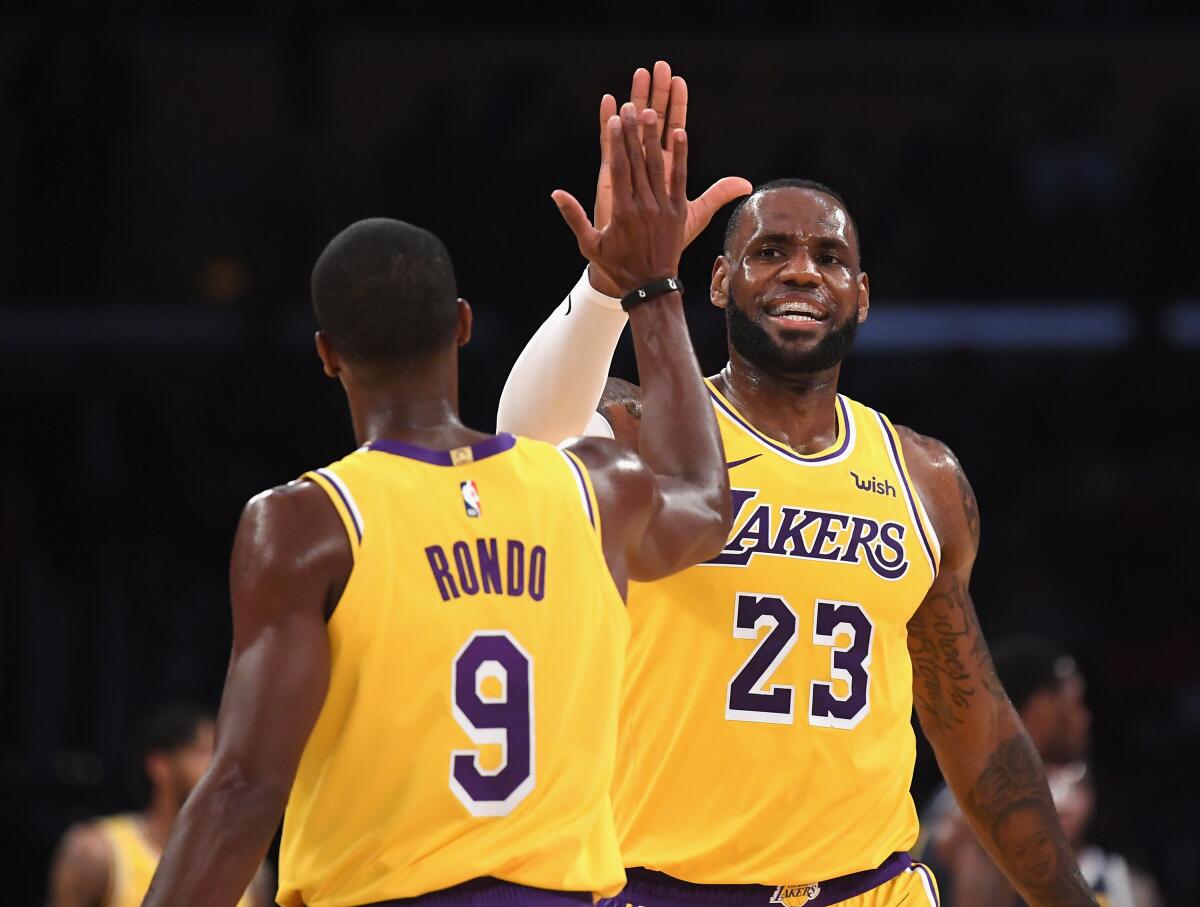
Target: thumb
(716, 196)
(572, 212)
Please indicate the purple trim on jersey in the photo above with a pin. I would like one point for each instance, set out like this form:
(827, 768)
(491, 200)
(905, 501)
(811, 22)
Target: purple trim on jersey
(587, 498)
(908, 492)
(337, 486)
(648, 888)
(485, 891)
(780, 448)
(933, 889)
(479, 451)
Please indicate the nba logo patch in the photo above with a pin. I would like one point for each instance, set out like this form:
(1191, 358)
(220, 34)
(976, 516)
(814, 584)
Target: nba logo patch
(470, 496)
(795, 895)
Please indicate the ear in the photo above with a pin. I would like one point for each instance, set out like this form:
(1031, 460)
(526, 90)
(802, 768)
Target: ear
(718, 288)
(466, 318)
(864, 297)
(157, 770)
(329, 356)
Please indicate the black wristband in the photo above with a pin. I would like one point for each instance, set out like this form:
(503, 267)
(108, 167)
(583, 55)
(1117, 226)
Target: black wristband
(650, 290)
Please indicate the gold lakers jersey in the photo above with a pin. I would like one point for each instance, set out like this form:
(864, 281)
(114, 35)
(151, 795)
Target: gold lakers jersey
(470, 725)
(766, 732)
(134, 861)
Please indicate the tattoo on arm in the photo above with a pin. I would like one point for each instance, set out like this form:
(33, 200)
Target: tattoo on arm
(1011, 802)
(950, 660)
(969, 505)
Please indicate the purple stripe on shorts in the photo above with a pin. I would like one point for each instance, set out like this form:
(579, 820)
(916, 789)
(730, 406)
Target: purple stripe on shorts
(787, 451)
(648, 888)
(908, 492)
(337, 486)
(933, 889)
(488, 891)
(479, 451)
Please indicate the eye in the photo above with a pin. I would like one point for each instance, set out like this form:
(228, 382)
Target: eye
(829, 259)
(769, 252)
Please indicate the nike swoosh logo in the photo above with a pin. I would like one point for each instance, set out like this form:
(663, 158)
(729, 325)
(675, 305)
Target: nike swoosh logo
(568, 311)
(740, 462)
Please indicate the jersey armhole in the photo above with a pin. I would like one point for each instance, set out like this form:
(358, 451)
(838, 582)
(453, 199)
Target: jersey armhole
(343, 502)
(587, 494)
(924, 525)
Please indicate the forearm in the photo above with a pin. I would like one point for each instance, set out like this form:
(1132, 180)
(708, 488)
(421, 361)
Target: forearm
(219, 841)
(555, 384)
(678, 438)
(997, 777)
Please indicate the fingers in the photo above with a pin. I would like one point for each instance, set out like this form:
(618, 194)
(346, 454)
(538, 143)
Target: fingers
(717, 196)
(618, 163)
(639, 91)
(572, 212)
(655, 167)
(608, 109)
(679, 167)
(676, 108)
(629, 127)
(660, 92)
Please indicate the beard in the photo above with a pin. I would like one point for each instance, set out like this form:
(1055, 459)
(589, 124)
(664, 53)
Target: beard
(755, 345)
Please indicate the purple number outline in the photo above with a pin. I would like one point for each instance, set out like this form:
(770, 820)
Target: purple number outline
(482, 736)
(767, 620)
(829, 719)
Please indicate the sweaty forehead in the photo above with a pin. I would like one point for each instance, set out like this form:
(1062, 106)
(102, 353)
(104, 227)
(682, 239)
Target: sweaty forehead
(807, 213)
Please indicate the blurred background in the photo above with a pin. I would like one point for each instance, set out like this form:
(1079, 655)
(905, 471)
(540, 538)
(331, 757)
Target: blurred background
(1025, 182)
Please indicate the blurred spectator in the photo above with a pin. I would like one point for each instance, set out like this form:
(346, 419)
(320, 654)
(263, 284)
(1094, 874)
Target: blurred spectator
(110, 861)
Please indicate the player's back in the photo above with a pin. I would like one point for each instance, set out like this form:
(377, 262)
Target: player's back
(469, 728)
(766, 730)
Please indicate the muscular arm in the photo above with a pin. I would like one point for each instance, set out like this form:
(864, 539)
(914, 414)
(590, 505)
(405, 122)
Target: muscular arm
(81, 873)
(670, 503)
(981, 745)
(290, 560)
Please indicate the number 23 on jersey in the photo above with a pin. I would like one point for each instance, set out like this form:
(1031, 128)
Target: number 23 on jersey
(751, 696)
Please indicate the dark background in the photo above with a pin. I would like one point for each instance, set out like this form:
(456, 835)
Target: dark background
(1025, 179)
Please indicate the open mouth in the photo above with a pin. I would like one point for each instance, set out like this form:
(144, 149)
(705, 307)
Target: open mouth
(797, 311)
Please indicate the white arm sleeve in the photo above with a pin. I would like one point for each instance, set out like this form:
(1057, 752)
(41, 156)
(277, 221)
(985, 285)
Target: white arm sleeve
(553, 389)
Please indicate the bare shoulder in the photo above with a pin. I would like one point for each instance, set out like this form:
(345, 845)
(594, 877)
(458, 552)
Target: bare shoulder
(621, 406)
(612, 463)
(290, 520)
(943, 486)
(82, 866)
(292, 537)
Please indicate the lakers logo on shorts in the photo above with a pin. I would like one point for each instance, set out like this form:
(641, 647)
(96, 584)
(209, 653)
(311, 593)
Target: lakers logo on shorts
(795, 895)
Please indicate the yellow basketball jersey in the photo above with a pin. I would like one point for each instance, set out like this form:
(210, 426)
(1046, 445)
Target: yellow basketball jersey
(134, 861)
(766, 732)
(470, 724)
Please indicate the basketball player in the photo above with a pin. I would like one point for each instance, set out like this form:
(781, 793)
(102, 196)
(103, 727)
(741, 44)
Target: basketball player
(766, 751)
(109, 862)
(429, 633)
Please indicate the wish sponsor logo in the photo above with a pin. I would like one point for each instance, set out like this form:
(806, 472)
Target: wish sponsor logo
(816, 535)
(873, 484)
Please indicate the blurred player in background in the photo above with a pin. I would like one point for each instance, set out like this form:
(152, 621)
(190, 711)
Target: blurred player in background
(109, 862)
(429, 634)
(1047, 689)
(766, 748)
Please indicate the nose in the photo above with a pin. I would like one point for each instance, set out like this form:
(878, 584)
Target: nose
(801, 269)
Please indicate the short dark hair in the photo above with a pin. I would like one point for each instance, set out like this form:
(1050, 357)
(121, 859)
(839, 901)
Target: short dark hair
(735, 216)
(384, 291)
(164, 730)
(1027, 665)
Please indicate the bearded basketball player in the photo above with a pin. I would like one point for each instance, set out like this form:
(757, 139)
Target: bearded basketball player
(765, 750)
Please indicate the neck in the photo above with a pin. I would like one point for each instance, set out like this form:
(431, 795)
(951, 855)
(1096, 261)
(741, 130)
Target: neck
(158, 818)
(417, 403)
(800, 410)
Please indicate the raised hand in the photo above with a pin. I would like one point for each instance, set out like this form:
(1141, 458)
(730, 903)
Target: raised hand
(645, 233)
(667, 96)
